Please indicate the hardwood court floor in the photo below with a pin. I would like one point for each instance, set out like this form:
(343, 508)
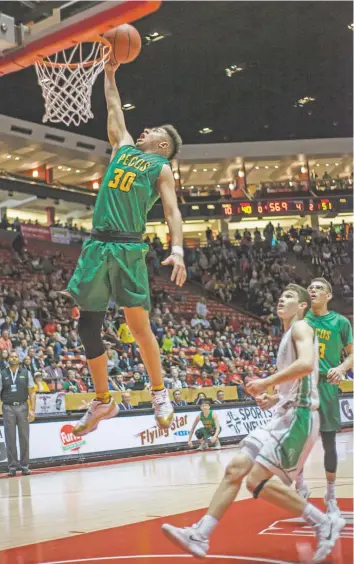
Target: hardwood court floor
(113, 513)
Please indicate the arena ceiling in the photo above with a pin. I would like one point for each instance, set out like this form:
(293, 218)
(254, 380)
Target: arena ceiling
(287, 51)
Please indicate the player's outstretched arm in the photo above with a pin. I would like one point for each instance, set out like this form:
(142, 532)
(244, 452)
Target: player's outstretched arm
(116, 128)
(166, 188)
(303, 337)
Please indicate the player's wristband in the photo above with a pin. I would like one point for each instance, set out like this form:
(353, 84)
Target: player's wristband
(177, 250)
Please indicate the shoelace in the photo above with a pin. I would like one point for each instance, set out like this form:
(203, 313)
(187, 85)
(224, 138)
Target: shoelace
(159, 398)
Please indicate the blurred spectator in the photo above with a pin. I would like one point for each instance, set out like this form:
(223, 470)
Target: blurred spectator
(203, 380)
(39, 384)
(177, 399)
(125, 403)
(220, 397)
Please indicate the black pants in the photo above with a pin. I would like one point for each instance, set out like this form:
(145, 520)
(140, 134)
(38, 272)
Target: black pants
(16, 416)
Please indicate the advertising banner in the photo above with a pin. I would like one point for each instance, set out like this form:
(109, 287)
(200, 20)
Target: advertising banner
(50, 404)
(55, 439)
(346, 410)
(35, 232)
(60, 235)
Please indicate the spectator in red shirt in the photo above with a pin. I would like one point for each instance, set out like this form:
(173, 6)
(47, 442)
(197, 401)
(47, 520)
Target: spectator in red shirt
(5, 343)
(50, 328)
(203, 380)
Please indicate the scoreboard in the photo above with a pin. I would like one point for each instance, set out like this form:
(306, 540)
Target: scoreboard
(260, 208)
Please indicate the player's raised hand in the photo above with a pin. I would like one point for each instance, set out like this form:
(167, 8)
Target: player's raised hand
(111, 68)
(179, 273)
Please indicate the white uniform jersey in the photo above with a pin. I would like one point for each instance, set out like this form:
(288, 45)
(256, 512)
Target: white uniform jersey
(301, 392)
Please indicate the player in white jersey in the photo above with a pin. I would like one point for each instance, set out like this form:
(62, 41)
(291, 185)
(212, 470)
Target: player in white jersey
(281, 447)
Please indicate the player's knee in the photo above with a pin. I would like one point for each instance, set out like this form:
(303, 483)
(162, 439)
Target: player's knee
(237, 469)
(89, 327)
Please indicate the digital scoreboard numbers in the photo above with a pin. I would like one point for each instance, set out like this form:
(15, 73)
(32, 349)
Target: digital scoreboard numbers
(280, 206)
(284, 207)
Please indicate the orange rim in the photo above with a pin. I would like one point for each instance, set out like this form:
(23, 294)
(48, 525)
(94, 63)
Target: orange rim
(98, 39)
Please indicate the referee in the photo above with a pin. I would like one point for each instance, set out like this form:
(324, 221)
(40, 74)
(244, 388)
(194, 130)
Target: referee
(16, 384)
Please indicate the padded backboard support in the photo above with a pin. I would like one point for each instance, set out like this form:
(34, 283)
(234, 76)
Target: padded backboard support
(44, 40)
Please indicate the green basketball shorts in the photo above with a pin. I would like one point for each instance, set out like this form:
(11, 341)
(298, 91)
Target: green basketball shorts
(329, 405)
(111, 270)
(284, 443)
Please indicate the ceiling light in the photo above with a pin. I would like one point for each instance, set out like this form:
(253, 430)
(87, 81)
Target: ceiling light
(155, 36)
(205, 130)
(218, 185)
(60, 167)
(276, 166)
(192, 187)
(127, 107)
(195, 207)
(77, 171)
(241, 173)
(317, 164)
(300, 103)
(351, 27)
(233, 69)
(303, 169)
(8, 157)
(290, 183)
(176, 175)
(327, 164)
(211, 207)
(95, 185)
(35, 173)
(68, 169)
(337, 164)
(215, 169)
(205, 170)
(257, 167)
(17, 158)
(195, 170)
(182, 187)
(266, 166)
(231, 185)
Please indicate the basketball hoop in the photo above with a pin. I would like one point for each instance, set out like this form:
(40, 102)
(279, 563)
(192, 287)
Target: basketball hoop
(67, 78)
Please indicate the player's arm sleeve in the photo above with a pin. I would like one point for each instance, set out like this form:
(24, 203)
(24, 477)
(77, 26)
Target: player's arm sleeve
(116, 128)
(166, 188)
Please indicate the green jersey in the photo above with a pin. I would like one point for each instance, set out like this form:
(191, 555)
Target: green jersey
(208, 421)
(128, 191)
(334, 332)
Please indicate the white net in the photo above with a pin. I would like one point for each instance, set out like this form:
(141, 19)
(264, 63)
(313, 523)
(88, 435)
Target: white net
(67, 78)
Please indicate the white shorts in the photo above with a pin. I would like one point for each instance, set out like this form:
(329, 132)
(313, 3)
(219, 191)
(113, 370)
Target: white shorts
(284, 444)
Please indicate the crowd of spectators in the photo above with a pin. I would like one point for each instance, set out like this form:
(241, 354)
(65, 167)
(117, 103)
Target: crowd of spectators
(255, 268)
(197, 352)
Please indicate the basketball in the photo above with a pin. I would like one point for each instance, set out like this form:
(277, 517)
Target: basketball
(126, 43)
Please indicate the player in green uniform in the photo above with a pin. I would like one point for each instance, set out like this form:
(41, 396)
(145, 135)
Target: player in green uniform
(334, 334)
(210, 430)
(112, 261)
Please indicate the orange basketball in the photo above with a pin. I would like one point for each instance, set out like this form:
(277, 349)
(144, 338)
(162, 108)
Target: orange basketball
(126, 43)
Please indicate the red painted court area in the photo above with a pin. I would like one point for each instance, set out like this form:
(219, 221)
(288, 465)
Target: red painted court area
(252, 531)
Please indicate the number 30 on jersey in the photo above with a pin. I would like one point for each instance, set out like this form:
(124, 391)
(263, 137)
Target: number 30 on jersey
(122, 180)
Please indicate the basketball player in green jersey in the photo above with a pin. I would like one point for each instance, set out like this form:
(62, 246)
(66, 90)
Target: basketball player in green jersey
(112, 261)
(334, 334)
(210, 430)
